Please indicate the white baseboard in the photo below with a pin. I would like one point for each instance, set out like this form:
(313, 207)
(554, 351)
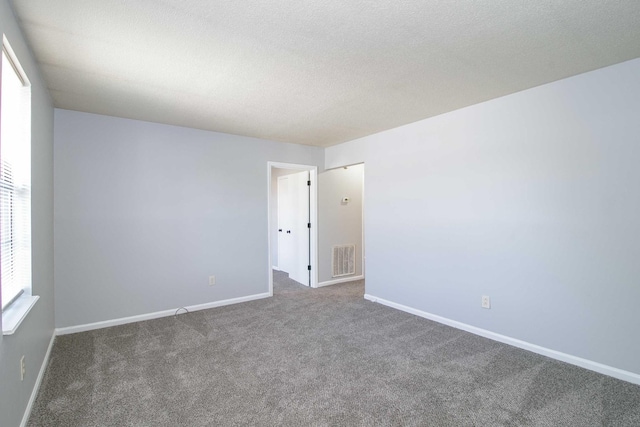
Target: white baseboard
(342, 280)
(36, 386)
(155, 315)
(564, 357)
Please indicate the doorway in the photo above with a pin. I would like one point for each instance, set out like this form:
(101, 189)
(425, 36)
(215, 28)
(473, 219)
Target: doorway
(341, 252)
(292, 219)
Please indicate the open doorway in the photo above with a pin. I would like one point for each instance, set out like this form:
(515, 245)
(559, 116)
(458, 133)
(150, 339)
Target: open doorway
(341, 251)
(292, 219)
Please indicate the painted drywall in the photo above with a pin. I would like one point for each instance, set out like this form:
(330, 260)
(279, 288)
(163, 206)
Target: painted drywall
(531, 199)
(275, 173)
(145, 213)
(339, 223)
(34, 335)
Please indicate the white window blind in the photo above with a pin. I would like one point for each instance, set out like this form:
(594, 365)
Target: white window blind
(15, 179)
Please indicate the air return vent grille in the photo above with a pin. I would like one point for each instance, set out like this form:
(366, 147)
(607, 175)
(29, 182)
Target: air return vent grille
(344, 260)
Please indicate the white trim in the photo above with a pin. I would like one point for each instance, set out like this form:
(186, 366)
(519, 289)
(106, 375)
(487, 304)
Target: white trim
(564, 357)
(313, 176)
(8, 50)
(275, 267)
(13, 315)
(36, 386)
(155, 315)
(362, 246)
(341, 280)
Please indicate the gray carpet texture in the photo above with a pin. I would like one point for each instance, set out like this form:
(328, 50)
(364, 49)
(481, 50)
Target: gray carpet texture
(315, 357)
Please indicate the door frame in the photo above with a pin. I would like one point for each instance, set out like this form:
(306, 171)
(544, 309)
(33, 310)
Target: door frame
(313, 213)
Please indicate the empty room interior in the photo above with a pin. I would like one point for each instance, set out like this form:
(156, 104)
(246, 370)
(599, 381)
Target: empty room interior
(416, 213)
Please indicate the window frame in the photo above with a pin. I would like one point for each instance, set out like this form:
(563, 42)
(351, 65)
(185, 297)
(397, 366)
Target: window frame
(14, 311)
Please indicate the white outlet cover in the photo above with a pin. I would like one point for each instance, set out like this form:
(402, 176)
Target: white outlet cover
(212, 280)
(486, 302)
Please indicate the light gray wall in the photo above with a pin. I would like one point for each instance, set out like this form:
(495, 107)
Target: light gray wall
(145, 212)
(532, 199)
(34, 334)
(338, 223)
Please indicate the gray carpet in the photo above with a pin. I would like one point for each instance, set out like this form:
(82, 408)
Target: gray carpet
(322, 357)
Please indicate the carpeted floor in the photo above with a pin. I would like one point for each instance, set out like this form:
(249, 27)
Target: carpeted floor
(315, 357)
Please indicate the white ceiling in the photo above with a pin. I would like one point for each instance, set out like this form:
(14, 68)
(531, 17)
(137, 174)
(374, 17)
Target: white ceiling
(316, 72)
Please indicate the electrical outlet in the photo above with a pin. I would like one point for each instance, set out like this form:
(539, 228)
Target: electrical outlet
(486, 301)
(212, 280)
(23, 369)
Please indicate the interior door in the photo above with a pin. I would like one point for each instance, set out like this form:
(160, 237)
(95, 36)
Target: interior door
(299, 230)
(293, 231)
(285, 209)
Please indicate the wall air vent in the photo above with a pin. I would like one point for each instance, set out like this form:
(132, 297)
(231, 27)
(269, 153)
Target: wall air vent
(344, 260)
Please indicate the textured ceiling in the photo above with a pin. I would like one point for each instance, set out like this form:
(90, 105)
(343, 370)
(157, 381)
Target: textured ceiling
(315, 72)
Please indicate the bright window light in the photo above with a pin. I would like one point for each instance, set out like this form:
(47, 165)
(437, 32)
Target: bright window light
(15, 179)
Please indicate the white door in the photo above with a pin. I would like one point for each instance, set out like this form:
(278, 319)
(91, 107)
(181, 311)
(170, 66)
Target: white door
(293, 231)
(285, 209)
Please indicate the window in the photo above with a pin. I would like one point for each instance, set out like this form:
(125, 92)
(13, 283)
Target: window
(15, 181)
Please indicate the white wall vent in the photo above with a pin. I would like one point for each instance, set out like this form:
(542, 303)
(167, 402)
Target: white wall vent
(344, 260)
